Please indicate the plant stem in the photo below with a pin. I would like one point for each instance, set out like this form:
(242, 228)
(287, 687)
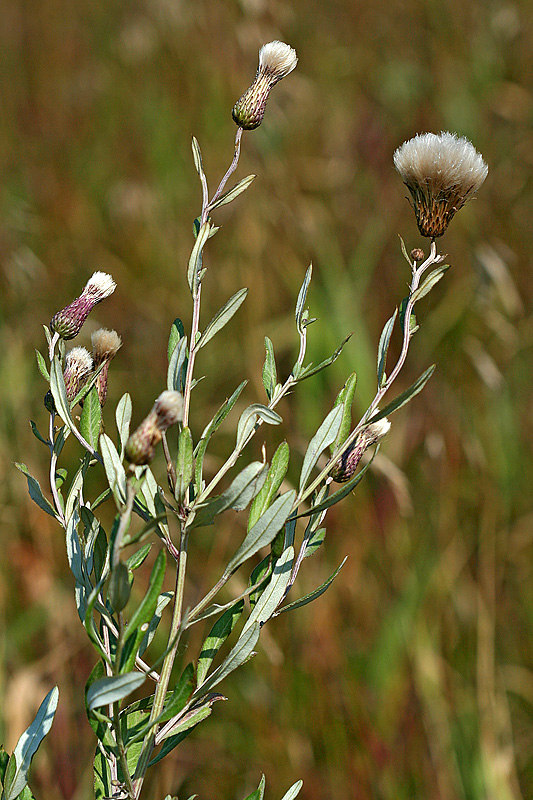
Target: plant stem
(168, 663)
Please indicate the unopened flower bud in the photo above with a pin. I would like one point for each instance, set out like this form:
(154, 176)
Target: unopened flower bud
(276, 60)
(167, 410)
(106, 345)
(417, 254)
(442, 173)
(349, 461)
(78, 365)
(68, 322)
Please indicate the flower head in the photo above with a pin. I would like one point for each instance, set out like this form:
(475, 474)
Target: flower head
(346, 466)
(167, 410)
(442, 172)
(68, 322)
(276, 60)
(106, 345)
(78, 365)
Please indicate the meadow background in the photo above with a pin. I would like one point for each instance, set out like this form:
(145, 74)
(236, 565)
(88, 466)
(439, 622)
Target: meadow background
(412, 677)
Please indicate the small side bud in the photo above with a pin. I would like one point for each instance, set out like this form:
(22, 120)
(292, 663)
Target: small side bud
(276, 60)
(106, 345)
(78, 365)
(442, 173)
(68, 322)
(417, 254)
(349, 461)
(167, 410)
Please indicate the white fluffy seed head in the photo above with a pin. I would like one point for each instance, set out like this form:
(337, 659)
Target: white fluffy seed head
(442, 172)
(106, 344)
(78, 360)
(277, 59)
(168, 409)
(99, 286)
(377, 430)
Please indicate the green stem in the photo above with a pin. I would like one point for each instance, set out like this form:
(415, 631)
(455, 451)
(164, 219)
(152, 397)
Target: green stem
(168, 663)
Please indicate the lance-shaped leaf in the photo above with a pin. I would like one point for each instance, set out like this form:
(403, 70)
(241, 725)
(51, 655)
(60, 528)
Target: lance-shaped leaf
(175, 366)
(222, 317)
(240, 653)
(270, 488)
(237, 496)
(270, 374)
(35, 490)
(345, 399)
(184, 464)
(306, 372)
(197, 156)
(274, 593)
(404, 397)
(146, 608)
(177, 332)
(325, 436)
(294, 791)
(250, 417)
(59, 393)
(259, 792)
(210, 429)
(264, 531)
(109, 690)
(116, 476)
(37, 435)
(16, 776)
(184, 726)
(433, 278)
(384, 346)
(302, 297)
(217, 636)
(230, 195)
(91, 418)
(177, 699)
(162, 601)
(123, 420)
(195, 260)
(308, 598)
(41, 363)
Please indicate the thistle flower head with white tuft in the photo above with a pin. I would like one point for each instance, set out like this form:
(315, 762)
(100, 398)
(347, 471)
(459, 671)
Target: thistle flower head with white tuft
(347, 464)
(106, 345)
(167, 410)
(78, 365)
(68, 322)
(276, 61)
(442, 172)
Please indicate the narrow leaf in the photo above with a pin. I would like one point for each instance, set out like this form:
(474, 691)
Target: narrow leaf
(35, 490)
(307, 372)
(294, 791)
(222, 317)
(430, 281)
(177, 332)
(240, 492)
(109, 690)
(404, 397)
(41, 363)
(57, 387)
(195, 260)
(145, 610)
(116, 476)
(308, 598)
(37, 434)
(175, 366)
(123, 420)
(249, 418)
(274, 593)
(91, 418)
(237, 656)
(184, 464)
(325, 436)
(162, 601)
(384, 346)
(270, 488)
(270, 375)
(264, 530)
(16, 777)
(302, 297)
(217, 636)
(238, 189)
(210, 429)
(197, 156)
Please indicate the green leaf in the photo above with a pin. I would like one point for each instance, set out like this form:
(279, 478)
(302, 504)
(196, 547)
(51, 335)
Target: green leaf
(108, 690)
(162, 601)
(37, 434)
(195, 260)
(35, 491)
(314, 542)
(345, 399)
(41, 363)
(91, 418)
(249, 419)
(116, 476)
(384, 347)
(222, 317)
(270, 375)
(302, 297)
(175, 377)
(274, 479)
(177, 332)
(103, 787)
(217, 636)
(294, 791)
(16, 776)
(230, 195)
(325, 436)
(178, 698)
(123, 420)
(404, 397)
(197, 157)
(259, 792)
(264, 530)
(405, 253)
(274, 593)
(240, 653)
(430, 281)
(184, 464)
(171, 736)
(210, 429)
(308, 598)
(237, 496)
(145, 610)
(135, 561)
(307, 372)
(59, 393)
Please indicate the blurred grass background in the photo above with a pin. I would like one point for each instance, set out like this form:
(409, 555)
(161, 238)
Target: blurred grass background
(413, 676)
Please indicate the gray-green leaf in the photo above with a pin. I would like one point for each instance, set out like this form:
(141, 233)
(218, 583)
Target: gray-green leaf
(325, 436)
(109, 690)
(222, 317)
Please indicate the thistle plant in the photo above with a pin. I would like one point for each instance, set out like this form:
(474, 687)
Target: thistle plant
(140, 708)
